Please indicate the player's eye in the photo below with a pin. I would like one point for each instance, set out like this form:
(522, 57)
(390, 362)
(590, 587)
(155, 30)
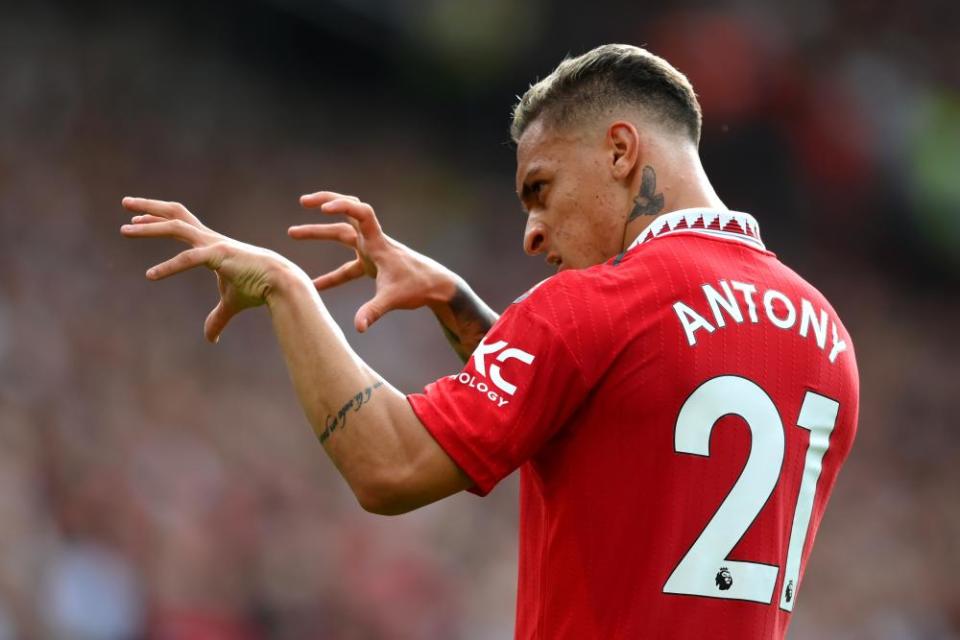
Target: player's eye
(533, 193)
(537, 189)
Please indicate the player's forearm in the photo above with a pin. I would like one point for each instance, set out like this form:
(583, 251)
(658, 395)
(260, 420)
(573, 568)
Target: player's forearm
(463, 316)
(355, 414)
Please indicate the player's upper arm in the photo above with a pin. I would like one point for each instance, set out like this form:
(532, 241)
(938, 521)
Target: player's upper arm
(517, 390)
(420, 473)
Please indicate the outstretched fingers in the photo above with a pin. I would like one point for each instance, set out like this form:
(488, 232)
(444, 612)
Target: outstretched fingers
(178, 229)
(340, 231)
(183, 261)
(320, 198)
(344, 273)
(371, 311)
(361, 215)
(146, 219)
(161, 208)
(216, 322)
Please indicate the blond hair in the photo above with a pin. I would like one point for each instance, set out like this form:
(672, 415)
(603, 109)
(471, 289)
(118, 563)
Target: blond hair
(610, 76)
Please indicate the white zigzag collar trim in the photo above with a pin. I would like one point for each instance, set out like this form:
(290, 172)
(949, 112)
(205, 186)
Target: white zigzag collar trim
(730, 225)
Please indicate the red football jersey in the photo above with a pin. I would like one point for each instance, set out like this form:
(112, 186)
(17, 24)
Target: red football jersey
(679, 415)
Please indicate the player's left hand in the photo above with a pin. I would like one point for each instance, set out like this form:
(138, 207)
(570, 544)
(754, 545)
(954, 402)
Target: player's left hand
(245, 274)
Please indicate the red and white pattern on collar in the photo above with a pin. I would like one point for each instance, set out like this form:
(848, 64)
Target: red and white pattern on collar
(730, 225)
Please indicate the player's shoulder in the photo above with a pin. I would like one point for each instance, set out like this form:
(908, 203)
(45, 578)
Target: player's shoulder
(570, 287)
(809, 293)
(545, 297)
(570, 309)
(577, 298)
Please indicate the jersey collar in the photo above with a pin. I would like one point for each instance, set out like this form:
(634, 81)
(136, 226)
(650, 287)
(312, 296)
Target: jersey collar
(729, 225)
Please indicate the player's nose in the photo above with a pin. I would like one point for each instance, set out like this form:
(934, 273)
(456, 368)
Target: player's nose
(534, 238)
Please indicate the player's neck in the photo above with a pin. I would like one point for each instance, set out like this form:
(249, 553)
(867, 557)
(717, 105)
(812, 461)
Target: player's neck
(683, 185)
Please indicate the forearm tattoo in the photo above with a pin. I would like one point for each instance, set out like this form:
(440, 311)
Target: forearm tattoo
(648, 202)
(472, 320)
(338, 420)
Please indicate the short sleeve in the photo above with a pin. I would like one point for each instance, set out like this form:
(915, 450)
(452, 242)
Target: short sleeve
(516, 391)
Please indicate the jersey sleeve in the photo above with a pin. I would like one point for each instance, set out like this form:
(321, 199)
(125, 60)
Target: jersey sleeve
(516, 391)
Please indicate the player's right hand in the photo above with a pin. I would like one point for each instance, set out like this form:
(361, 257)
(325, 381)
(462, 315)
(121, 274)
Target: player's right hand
(404, 278)
(246, 275)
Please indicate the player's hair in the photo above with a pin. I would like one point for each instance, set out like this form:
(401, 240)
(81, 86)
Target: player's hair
(610, 76)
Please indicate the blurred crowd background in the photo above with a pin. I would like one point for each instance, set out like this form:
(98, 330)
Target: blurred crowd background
(153, 486)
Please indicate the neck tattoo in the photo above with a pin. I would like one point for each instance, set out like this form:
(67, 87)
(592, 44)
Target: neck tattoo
(648, 202)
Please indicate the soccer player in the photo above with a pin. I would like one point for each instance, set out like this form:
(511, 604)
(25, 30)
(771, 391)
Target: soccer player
(678, 401)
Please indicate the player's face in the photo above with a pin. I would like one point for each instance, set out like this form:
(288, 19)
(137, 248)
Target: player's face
(576, 209)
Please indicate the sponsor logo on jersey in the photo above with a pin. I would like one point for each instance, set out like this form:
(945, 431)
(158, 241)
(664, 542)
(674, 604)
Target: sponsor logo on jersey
(487, 360)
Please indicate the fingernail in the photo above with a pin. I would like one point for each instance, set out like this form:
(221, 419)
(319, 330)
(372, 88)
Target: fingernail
(151, 273)
(126, 227)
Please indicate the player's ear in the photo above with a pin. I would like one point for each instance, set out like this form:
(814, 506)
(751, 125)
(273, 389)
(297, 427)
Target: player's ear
(623, 141)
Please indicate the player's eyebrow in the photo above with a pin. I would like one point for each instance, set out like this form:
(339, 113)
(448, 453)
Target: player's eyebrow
(525, 190)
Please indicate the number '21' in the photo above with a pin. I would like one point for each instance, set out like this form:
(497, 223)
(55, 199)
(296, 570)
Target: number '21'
(733, 395)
